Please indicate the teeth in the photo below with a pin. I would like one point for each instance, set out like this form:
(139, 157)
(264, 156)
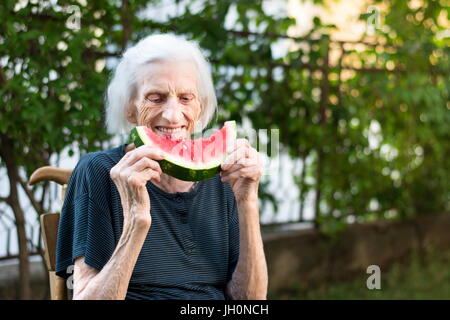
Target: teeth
(170, 130)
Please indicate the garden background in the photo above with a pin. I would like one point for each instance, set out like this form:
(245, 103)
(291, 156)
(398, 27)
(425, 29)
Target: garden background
(359, 91)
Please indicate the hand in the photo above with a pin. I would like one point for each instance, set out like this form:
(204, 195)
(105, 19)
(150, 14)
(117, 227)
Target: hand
(242, 169)
(130, 175)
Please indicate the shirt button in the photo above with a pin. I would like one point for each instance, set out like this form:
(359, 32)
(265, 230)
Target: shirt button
(178, 199)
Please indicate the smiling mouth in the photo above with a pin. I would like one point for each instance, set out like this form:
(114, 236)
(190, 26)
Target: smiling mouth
(176, 133)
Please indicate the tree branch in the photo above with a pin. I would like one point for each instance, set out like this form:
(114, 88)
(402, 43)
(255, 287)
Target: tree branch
(36, 205)
(126, 24)
(314, 68)
(89, 53)
(2, 77)
(246, 34)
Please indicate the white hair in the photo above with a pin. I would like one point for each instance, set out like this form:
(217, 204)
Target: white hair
(161, 47)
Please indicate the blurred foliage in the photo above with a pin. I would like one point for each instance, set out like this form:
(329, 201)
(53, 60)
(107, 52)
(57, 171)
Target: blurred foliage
(420, 278)
(371, 124)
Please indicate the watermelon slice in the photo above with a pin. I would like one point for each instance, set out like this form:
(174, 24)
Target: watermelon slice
(191, 159)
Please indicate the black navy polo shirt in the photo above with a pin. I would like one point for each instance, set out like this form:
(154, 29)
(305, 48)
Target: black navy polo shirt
(192, 246)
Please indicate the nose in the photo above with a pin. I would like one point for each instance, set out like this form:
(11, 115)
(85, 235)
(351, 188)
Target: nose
(172, 111)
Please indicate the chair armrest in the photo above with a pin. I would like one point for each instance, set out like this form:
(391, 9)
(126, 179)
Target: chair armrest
(49, 173)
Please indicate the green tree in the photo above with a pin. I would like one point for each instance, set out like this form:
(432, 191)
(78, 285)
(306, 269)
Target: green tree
(52, 91)
(53, 78)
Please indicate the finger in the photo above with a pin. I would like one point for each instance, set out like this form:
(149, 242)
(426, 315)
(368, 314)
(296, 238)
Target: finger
(233, 157)
(120, 170)
(142, 151)
(140, 166)
(254, 154)
(253, 163)
(237, 144)
(144, 163)
(139, 179)
(150, 174)
(241, 163)
(247, 172)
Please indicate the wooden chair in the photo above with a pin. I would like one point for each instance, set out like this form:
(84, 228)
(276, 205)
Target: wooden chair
(49, 228)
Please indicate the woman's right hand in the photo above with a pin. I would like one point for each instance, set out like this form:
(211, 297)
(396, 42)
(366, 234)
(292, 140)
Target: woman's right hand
(130, 176)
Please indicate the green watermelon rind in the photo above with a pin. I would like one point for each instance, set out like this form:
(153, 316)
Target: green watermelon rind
(174, 168)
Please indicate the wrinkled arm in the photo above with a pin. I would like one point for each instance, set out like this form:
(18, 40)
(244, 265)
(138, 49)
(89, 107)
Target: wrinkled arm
(111, 283)
(249, 280)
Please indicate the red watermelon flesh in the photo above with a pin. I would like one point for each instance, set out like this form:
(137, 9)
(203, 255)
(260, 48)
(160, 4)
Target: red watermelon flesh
(198, 150)
(190, 159)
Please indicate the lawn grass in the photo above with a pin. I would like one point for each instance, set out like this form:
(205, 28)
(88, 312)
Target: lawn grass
(419, 278)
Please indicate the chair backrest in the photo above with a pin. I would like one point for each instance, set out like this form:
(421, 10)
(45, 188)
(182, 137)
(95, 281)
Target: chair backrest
(49, 228)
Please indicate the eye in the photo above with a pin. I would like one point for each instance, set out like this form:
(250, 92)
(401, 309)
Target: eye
(186, 97)
(155, 98)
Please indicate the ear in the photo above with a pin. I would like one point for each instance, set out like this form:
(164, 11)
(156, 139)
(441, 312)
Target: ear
(199, 112)
(131, 114)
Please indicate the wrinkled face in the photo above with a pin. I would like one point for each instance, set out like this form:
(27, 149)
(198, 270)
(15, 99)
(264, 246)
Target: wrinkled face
(167, 99)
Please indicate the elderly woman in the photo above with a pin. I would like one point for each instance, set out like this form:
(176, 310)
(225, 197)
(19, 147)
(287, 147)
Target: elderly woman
(127, 230)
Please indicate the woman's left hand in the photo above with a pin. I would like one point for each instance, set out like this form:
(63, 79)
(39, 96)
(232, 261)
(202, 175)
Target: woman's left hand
(242, 169)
